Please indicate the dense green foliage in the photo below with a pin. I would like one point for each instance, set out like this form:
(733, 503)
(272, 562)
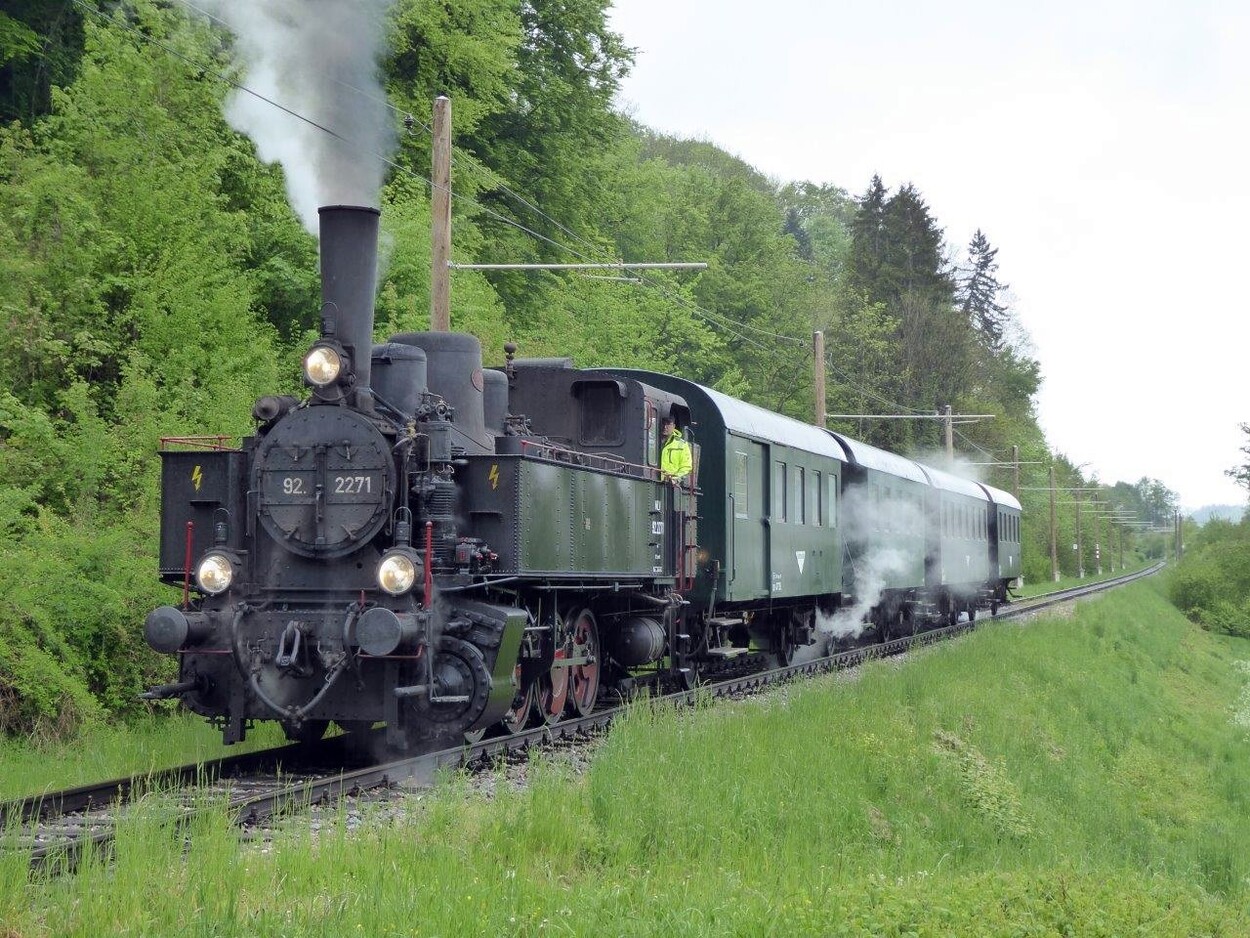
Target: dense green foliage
(1212, 583)
(154, 281)
(1074, 776)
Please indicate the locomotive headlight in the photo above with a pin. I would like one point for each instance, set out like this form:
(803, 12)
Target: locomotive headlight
(397, 572)
(322, 366)
(215, 573)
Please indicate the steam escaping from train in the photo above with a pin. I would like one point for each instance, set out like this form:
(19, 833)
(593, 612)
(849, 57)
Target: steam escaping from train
(869, 519)
(873, 573)
(319, 59)
(958, 465)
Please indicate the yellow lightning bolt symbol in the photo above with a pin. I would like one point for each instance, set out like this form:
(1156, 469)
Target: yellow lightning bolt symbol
(494, 476)
(197, 477)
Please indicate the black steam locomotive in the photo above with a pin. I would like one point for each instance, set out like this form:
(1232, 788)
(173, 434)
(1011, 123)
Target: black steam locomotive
(447, 549)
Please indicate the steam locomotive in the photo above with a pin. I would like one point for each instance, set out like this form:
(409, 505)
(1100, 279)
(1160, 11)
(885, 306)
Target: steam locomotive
(448, 549)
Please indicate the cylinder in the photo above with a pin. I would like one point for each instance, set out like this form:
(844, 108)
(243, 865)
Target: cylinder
(349, 271)
(639, 640)
(399, 376)
(454, 372)
(496, 401)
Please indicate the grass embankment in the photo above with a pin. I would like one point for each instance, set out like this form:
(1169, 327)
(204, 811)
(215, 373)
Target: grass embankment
(1074, 776)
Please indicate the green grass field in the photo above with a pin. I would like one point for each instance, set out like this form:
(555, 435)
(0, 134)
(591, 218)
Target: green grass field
(1073, 776)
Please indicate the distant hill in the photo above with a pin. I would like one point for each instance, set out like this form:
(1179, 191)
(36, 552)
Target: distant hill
(1224, 512)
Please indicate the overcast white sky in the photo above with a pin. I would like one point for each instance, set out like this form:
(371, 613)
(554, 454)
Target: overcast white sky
(1102, 147)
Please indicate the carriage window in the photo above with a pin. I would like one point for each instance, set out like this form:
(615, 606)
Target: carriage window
(817, 506)
(779, 491)
(742, 508)
(800, 496)
(832, 500)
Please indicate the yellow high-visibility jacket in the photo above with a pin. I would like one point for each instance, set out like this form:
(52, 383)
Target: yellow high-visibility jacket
(675, 459)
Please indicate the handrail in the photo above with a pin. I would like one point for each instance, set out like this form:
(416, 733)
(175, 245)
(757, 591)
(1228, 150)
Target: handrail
(217, 443)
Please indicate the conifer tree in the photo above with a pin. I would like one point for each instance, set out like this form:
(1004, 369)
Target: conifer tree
(978, 292)
(868, 244)
(913, 262)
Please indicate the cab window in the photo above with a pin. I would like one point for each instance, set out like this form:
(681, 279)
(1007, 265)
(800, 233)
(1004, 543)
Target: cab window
(652, 428)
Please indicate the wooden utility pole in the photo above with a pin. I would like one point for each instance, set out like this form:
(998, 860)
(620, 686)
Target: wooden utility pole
(1080, 553)
(440, 203)
(1098, 541)
(1054, 530)
(818, 376)
(950, 433)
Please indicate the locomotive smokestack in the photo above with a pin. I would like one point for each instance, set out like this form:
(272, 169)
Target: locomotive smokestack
(349, 270)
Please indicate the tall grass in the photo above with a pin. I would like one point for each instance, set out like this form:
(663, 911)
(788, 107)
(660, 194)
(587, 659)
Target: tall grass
(1078, 776)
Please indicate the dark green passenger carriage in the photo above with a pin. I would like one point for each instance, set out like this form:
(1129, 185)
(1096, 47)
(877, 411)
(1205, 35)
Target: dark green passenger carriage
(768, 510)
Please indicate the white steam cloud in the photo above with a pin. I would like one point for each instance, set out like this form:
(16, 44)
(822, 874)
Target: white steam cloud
(886, 534)
(958, 465)
(873, 573)
(318, 58)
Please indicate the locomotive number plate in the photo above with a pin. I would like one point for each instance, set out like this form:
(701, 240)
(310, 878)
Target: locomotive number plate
(292, 487)
(354, 487)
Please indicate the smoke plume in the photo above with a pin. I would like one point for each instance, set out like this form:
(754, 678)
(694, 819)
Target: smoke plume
(318, 58)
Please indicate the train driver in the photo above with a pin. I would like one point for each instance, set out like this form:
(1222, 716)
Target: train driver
(675, 460)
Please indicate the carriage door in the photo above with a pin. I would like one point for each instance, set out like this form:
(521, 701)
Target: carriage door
(748, 508)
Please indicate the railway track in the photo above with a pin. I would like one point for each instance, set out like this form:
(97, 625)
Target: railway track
(58, 828)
